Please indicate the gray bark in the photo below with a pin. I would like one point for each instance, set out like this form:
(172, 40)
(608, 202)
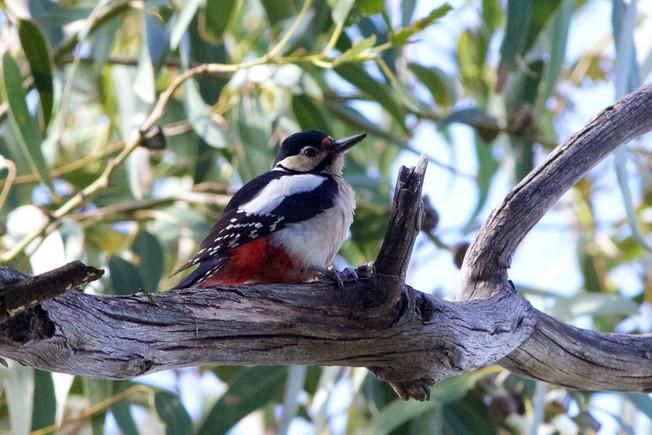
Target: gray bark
(405, 337)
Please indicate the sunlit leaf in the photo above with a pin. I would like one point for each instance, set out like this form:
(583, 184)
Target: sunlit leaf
(182, 20)
(40, 62)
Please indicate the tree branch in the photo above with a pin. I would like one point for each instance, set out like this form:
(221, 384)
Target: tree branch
(487, 260)
(19, 291)
(407, 338)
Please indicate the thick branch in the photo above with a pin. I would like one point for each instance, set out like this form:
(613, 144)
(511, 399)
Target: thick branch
(417, 342)
(586, 360)
(487, 260)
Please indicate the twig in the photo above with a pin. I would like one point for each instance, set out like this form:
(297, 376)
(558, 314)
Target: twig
(17, 296)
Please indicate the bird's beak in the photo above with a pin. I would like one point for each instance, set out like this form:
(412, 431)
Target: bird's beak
(341, 145)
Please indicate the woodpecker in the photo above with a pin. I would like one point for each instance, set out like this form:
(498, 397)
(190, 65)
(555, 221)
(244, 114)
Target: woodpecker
(286, 225)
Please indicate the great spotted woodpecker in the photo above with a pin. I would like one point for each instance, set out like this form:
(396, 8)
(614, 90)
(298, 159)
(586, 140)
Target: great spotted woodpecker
(285, 225)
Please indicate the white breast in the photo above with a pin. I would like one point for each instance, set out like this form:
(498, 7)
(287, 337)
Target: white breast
(316, 241)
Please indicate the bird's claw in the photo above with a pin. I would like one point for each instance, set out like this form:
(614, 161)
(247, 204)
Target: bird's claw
(339, 277)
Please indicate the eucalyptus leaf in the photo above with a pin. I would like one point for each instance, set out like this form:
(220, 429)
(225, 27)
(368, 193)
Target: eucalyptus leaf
(252, 388)
(27, 132)
(38, 55)
(170, 409)
(45, 403)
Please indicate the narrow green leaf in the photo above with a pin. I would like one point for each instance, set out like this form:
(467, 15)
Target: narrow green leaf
(440, 84)
(308, 114)
(558, 46)
(402, 35)
(251, 389)
(25, 127)
(123, 417)
(519, 16)
(353, 52)
(172, 412)
(491, 14)
(150, 254)
(40, 63)
(542, 12)
(407, 11)
(182, 20)
(487, 167)
(125, 278)
(357, 76)
(218, 15)
(45, 402)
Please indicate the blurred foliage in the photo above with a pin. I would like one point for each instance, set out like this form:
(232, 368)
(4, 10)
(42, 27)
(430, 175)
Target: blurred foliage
(79, 78)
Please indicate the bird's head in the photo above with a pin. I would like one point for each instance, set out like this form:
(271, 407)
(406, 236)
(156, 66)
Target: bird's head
(314, 151)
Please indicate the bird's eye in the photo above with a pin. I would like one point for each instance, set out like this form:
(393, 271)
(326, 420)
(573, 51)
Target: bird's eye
(310, 151)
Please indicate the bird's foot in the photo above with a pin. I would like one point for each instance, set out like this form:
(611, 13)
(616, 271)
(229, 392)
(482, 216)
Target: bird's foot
(365, 271)
(339, 277)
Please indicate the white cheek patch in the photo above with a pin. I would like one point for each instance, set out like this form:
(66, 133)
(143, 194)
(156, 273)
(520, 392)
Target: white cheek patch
(277, 190)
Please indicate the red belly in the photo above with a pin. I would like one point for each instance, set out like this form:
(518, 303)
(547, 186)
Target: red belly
(259, 261)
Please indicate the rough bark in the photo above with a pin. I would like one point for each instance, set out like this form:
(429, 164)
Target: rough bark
(407, 338)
